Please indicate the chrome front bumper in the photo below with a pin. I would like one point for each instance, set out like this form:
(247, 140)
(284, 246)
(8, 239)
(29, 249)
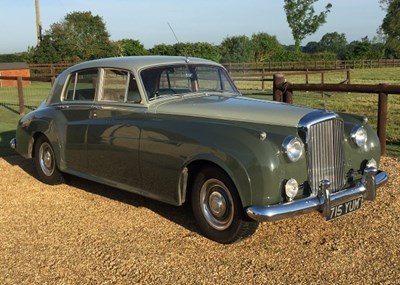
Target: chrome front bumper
(371, 180)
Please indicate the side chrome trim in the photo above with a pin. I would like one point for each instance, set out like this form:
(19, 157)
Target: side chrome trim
(372, 179)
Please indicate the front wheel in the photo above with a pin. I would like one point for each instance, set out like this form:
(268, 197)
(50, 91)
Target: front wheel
(217, 208)
(45, 162)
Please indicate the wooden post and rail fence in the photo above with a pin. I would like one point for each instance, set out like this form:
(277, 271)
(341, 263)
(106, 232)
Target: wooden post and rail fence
(283, 91)
(20, 83)
(263, 75)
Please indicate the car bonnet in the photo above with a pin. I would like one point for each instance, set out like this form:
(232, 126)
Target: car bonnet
(232, 108)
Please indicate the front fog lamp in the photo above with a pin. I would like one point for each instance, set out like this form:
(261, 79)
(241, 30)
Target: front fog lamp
(293, 147)
(291, 188)
(359, 136)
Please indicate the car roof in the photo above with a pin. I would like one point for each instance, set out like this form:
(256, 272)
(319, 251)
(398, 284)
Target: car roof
(138, 62)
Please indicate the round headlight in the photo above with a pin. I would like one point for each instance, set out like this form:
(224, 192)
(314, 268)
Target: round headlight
(359, 136)
(293, 147)
(291, 188)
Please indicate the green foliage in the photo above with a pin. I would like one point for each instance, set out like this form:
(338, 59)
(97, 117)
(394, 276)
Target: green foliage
(261, 47)
(80, 36)
(204, 50)
(391, 28)
(129, 47)
(290, 54)
(302, 19)
(162, 49)
(14, 57)
(333, 42)
(320, 56)
(236, 49)
(47, 52)
(364, 49)
(265, 47)
(336, 44)
(311, 47)
(199, 49)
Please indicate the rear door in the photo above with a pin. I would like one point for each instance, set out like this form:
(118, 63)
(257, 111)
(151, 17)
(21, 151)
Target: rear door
(77, 104)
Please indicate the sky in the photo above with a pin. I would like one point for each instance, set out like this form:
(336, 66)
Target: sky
(192, 21)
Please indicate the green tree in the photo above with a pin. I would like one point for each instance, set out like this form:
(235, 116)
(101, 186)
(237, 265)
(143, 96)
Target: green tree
(14, 57)
(162, 49)
(311, 47)
(236, 49)
(198, 49)
(302, 20)
(391, 29)
(364, 49)
(128, 47)
(385, 3)
(47, 52)
(333, 42)
(79, 36)
(265, 47)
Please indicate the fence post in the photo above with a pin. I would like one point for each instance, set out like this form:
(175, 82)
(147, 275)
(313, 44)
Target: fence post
(382, 120)
(288, 96)
(307, 76)
(278, 81)
(322, 82)
(262, 81)
(348, 76)
(20, 96)
(53, 74)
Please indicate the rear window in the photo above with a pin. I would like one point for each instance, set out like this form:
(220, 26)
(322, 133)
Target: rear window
(82, 86)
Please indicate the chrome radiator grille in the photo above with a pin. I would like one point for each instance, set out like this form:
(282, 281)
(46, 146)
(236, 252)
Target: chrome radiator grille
(325, 154)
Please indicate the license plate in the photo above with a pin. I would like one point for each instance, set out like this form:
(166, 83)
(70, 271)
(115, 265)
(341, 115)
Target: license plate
(345, 208)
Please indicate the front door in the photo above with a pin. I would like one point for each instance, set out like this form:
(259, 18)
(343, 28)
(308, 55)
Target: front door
(114, 131)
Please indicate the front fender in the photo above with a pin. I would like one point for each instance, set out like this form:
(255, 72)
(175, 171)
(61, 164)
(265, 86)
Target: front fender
(254, 164)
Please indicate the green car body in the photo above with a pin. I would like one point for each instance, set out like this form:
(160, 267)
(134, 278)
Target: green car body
(158, 144)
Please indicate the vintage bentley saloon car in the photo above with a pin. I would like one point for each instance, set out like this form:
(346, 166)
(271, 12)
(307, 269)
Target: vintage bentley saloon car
(177, 129)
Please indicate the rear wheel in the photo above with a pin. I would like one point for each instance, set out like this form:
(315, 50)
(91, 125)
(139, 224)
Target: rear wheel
(45, 162)
(217, 208)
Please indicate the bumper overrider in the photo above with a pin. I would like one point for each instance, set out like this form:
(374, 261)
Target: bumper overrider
(324, 201)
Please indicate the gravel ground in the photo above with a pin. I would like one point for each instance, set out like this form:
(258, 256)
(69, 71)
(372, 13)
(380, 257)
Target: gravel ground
(86, 233)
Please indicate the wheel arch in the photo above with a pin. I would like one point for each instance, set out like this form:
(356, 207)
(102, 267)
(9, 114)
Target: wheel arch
(53, 140)
(35, 138)
(235, 172)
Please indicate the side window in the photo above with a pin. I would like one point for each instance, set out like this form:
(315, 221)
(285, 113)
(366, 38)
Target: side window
(211, 78)
(82, 86)
(133, 91)
(119, 86)
(208, 78)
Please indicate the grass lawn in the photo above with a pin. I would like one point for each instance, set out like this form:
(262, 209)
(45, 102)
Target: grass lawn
(34, 94)
(362, 104)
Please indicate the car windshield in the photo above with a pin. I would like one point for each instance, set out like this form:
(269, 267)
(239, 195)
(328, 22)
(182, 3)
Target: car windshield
(181, 79)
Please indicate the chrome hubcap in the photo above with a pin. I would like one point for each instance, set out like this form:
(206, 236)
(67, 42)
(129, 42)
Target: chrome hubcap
(46, 159)
(216, 204)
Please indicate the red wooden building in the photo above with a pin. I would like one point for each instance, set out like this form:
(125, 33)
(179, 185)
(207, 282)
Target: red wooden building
(14, 69)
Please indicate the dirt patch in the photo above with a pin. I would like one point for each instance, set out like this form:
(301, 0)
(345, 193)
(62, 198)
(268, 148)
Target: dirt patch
(86, 233)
